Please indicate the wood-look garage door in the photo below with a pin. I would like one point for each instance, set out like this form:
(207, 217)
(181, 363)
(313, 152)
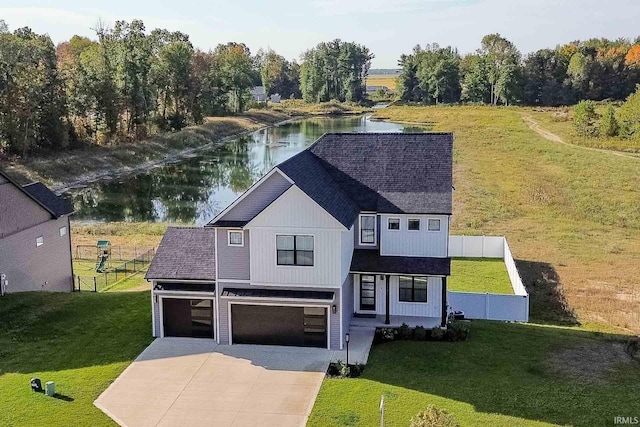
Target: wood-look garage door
(187, 317)
(279, 325)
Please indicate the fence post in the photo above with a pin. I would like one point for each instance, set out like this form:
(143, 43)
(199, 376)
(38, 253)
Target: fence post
(95, 284)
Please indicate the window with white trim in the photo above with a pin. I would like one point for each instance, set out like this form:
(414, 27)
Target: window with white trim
(433, 225)
(40, 241)
(412, 289)
(367, 229)
(393, 224)
(236, 238)
(294, 250)
(413, 224)
(63, 231)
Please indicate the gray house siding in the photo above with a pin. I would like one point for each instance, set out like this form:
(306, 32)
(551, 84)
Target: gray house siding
(38, 268)
(18, 211)
(233, 261)
(334, 319)
(347, 303)
(270, 189)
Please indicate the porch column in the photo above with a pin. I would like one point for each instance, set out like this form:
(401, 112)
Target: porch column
(444, 302)
(386, 296)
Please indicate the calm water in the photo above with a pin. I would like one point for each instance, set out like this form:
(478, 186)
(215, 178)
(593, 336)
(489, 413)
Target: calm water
(196, 189)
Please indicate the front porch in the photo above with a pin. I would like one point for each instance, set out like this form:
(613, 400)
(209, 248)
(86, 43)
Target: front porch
(378, 321)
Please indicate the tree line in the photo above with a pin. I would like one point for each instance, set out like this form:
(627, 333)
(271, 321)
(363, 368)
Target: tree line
(127, 83)
(497, 73)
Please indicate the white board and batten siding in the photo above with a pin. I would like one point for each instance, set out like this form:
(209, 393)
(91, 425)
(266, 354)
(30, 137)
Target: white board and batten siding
(295, 213)
(431, 308)
(405, 242)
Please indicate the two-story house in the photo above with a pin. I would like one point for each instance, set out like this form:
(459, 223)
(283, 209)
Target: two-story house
(356, 225)
(35, 238)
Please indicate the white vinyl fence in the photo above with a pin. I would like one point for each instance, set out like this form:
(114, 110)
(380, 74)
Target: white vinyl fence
(485, 305)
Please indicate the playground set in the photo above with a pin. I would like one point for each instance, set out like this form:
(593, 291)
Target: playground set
(104, 256)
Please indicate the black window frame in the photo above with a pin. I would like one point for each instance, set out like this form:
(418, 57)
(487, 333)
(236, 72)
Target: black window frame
(413, 289)
(409, 220)
(296, 251)
(375, 224)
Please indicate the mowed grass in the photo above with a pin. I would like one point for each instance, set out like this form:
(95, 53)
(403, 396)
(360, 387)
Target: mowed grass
(479, 275)
(505, 375)
(571, 216)
(82, 341)
(388, 80)
(83, 267)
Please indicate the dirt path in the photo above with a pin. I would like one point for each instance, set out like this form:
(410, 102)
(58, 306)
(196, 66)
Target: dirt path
(535, 126)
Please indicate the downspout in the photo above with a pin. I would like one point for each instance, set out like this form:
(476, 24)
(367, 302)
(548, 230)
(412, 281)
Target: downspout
(444, 302)
(70, 250)
(386, 318)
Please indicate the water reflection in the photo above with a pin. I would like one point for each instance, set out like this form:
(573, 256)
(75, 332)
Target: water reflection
(196, 189)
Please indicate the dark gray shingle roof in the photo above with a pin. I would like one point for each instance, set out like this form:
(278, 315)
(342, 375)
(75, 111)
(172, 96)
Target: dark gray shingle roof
(346, 173)
(369, 261)
(185, 253)
(57, 205)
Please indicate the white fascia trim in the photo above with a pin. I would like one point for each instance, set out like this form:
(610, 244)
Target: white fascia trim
(217, 300)
(249, 191)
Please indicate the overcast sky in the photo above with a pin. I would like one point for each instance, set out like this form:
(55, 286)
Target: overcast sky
(388, 27)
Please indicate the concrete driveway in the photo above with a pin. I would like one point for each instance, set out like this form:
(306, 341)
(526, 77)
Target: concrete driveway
(195, 382)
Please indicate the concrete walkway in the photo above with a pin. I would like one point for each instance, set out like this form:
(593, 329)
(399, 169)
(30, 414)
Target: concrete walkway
(195, 382)
(360, 341)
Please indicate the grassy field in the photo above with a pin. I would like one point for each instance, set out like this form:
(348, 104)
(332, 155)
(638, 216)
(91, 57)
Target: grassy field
(507, 375)
(297, 107)
(82, 341)
(571, 216)
(479, 275)
(388, 80)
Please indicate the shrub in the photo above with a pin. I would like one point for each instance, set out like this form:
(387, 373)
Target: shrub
(339, 369)
(420, 333)
(387, 334)
(437, 334)
(608, 124)
(404, 332)
(584, 119)
(632, 347)
(457, 331)
(433, 417)
(629, 116)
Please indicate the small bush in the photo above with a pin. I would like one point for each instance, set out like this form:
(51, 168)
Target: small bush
(608, 124)
(584, 119)
(386, 334)
(340, 369)
(632, 347)
(457, 331)
(433, 417)
(437, 334)
(420, 333)
(404, 332)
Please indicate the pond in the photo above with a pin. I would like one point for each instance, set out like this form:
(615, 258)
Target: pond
(196, 189)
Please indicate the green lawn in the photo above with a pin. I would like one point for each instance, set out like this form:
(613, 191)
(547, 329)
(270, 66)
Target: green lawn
(84, 267)
(479, 275)
(504, 375)
(82, 341)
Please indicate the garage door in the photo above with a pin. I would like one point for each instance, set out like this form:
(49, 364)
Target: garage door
(279, 325)
(187, 317)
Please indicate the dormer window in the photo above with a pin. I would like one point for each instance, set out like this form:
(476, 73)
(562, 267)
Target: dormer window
(367, 230)
(236, 238)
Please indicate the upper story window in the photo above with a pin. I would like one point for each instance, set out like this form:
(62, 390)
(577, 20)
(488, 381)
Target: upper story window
(413, 224)
(367, 229)
(39, 241)
(434, 225)
(63, 231)
(393, 223)
(413, 289)
(236, 238)
(294, 250)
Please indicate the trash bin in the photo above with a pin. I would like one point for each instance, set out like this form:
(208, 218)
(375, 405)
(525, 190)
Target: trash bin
(50, 388)
(36, 385)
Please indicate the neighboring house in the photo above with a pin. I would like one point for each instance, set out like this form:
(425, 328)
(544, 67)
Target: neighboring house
(258, 93)
(356, 225)
(35, 242)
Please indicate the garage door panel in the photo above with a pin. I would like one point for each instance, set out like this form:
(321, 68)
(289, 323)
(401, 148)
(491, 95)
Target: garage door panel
(278, 325)
(187, 317)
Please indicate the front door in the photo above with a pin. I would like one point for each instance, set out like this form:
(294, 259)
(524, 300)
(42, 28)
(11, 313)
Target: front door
(367, 293)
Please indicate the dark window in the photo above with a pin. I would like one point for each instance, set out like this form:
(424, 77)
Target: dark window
(413, 224)
(295, 250)
(394, 223)
(368, 229)
(413, 289)
(367, 292)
